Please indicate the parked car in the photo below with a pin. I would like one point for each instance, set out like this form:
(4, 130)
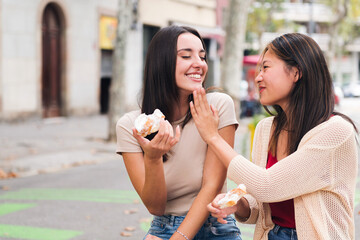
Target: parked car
(352, 89)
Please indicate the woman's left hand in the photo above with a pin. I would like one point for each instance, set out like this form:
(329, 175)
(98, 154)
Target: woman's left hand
(206, 117)
(219, 213)
(163, 141)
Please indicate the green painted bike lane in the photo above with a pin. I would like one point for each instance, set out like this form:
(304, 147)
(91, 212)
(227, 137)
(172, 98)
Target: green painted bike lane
(35, 196)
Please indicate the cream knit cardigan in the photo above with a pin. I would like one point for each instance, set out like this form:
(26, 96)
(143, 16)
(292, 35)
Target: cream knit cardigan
(320, 176)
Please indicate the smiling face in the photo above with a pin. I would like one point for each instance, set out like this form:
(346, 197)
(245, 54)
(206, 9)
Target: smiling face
(275, 81)
(191, 67)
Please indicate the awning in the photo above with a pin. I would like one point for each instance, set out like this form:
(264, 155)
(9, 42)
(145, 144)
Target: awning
(251, 59)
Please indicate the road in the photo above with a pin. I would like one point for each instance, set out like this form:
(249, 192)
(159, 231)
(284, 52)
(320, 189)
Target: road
(92, 202)
(82, 203)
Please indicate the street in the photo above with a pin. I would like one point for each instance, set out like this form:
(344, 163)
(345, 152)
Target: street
(92, 201)
(88, 202)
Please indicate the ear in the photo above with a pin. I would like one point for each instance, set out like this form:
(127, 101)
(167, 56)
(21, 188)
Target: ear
(297, 74)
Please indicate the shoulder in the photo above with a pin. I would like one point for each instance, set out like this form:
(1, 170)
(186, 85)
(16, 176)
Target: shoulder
(265, 123)
(127, 120)
(335, 125)
(125, 141)
(220, 100)
(225, 105)
(214, 97)
(330, 133)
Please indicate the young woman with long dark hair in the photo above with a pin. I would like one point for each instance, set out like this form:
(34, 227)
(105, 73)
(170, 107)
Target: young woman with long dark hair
(177, 176)
(302, 180)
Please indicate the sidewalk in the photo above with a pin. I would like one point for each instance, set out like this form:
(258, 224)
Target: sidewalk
(47, 145)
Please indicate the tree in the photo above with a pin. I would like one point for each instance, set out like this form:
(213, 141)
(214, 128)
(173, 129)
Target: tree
(346, 30)
(117, 89)
(340, 11)
(231, 69)
(261, 19)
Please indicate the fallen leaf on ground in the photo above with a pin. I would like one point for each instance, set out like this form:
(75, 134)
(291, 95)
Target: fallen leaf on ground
(131, 211)
(33, 151)
(3, 174)
(130, 228)
(145, 220)
(12, 175)
(126, 234)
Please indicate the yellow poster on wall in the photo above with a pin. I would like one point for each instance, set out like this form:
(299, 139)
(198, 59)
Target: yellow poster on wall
(107, 31)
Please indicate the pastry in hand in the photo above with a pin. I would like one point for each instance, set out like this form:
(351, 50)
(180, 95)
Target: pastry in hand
(232, 197)
(147, 124)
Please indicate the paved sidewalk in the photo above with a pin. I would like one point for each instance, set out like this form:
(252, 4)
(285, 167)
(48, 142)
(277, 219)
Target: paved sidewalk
(46, 145)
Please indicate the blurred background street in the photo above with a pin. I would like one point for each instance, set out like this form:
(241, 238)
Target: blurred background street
(68, 71)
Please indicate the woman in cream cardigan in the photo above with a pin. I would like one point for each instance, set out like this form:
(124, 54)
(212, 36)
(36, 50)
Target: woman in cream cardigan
(301, 183)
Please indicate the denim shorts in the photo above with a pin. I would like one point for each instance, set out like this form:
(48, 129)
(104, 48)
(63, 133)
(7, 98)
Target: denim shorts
(165, 226)
(282, 233)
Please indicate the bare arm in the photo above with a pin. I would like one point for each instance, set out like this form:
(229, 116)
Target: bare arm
(148, 179)
(214, 175)
(146, 170)
(263, 184)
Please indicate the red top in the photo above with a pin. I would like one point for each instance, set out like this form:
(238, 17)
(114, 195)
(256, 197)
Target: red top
(282, 213)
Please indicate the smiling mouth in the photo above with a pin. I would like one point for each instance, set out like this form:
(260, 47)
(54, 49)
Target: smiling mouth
(261, 89)
(195, 76)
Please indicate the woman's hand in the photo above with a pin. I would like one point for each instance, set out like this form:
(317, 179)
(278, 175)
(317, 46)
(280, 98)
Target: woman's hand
(163, 141)
(218, 213)
(206, 117)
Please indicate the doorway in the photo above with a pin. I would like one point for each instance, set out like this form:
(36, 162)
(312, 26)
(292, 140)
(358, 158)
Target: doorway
(51, 62)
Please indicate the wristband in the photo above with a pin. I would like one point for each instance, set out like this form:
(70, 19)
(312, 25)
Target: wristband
(184, 236)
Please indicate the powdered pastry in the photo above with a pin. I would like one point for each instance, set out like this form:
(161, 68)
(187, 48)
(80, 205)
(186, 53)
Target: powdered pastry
(147, 124)
(232, 197)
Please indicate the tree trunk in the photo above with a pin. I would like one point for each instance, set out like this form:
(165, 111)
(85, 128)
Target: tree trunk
(117, 90)
(340, 9)
(231, 69)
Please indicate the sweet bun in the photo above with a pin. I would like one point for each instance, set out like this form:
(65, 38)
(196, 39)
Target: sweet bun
(147, 124)
(232, 197)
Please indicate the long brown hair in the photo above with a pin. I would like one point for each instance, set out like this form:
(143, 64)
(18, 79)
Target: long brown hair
(159, 88)
(312, 99)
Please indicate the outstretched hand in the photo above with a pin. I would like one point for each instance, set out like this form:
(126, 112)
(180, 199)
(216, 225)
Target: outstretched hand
(163, 141)
(206, 117)
(218, 213)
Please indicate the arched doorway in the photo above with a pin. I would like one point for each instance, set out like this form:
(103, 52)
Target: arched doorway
(51, 62)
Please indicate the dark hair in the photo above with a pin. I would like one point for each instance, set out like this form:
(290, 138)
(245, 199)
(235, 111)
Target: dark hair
(159, 88)
(312, 99)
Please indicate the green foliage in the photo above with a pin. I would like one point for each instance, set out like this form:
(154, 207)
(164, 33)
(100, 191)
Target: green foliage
(354, 10)
(258, 117)
(349, 24)
(260, 18)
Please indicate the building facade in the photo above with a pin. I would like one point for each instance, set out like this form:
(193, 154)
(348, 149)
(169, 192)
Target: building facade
(56, 55)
